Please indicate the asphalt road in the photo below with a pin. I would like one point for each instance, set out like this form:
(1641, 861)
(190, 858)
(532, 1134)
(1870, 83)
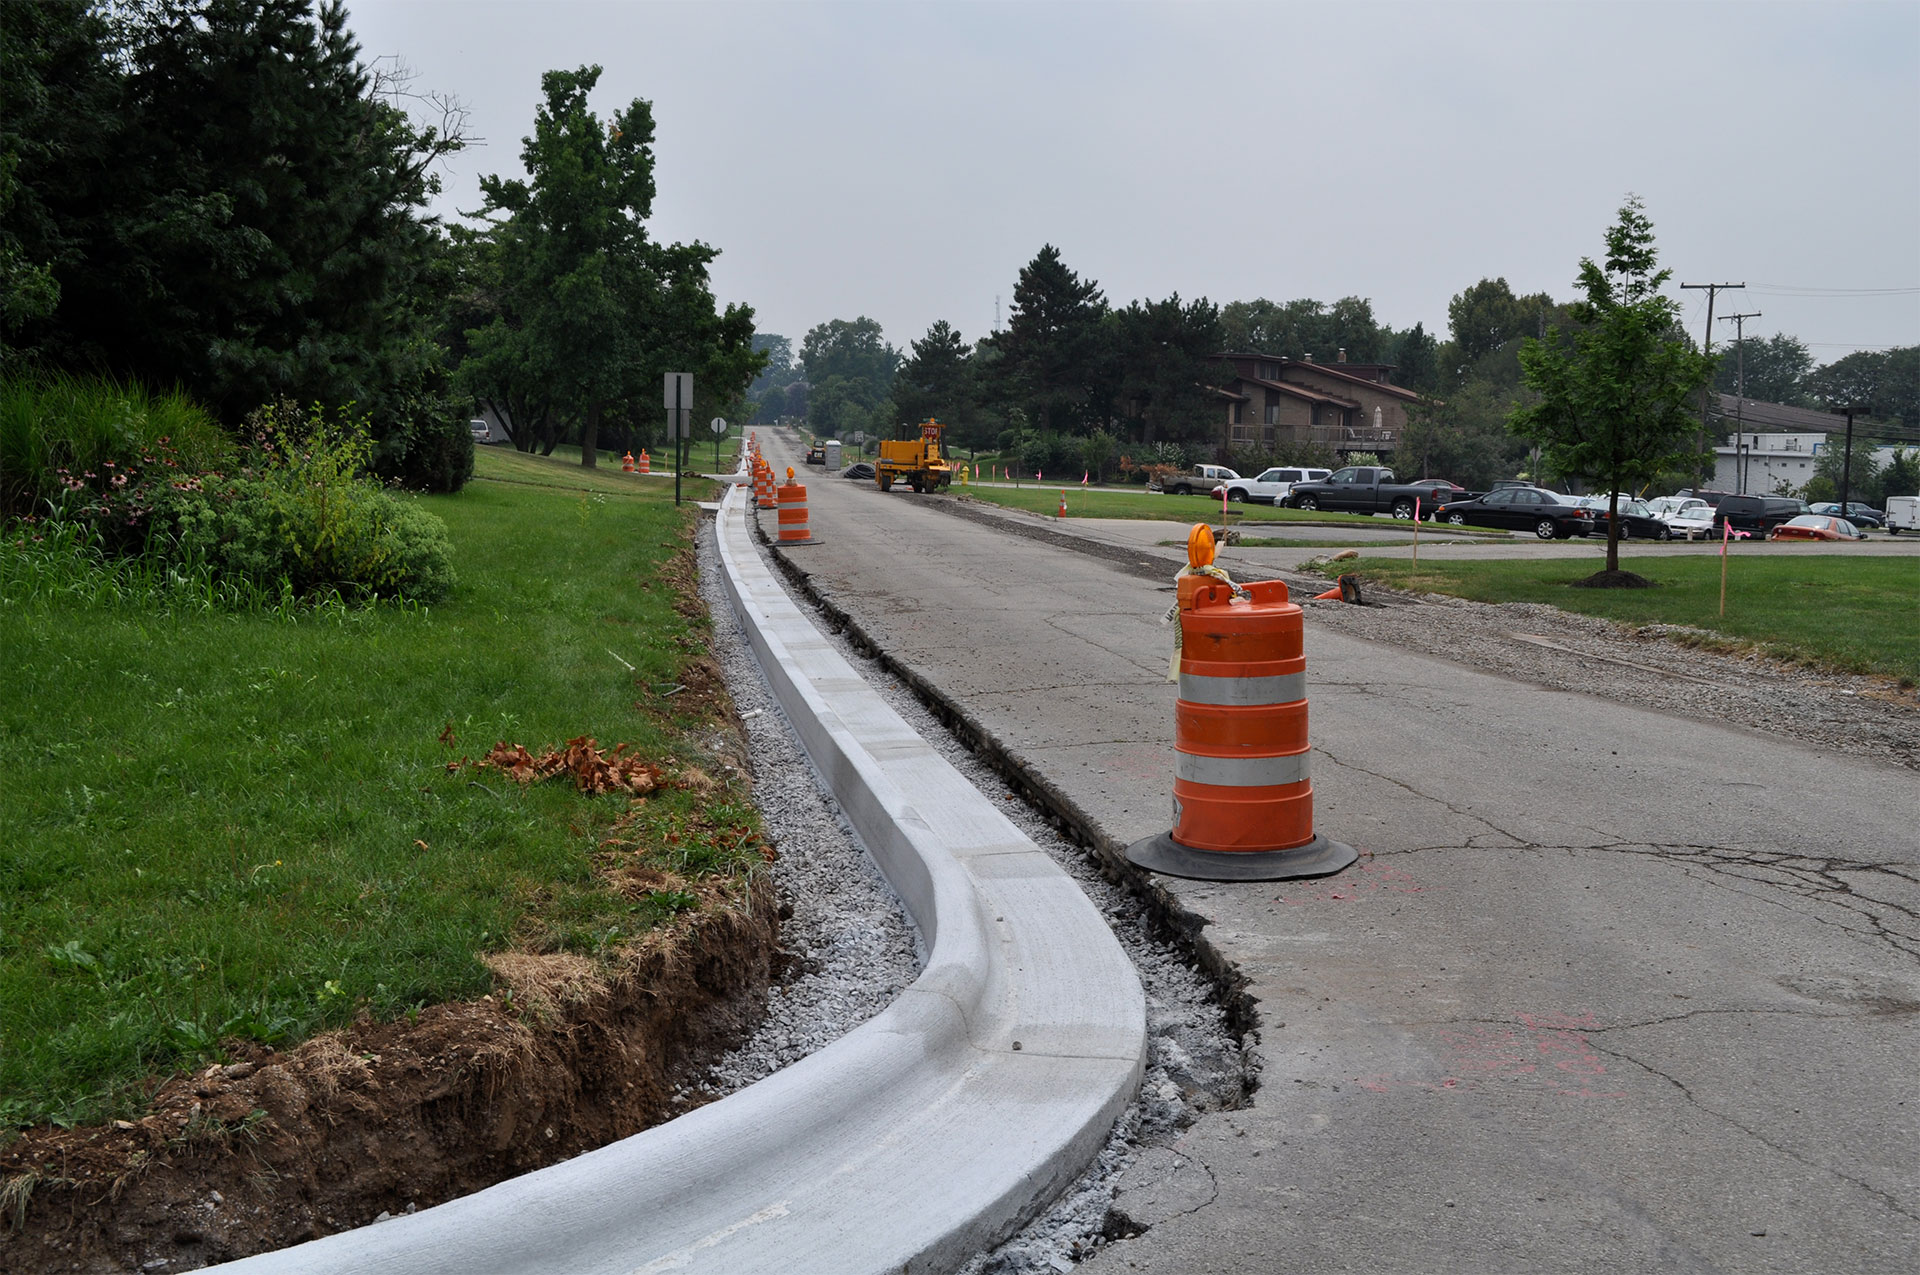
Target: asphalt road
(1608, 990)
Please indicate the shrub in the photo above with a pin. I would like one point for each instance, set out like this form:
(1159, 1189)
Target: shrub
(430, 451)
(306, 513)
(95, 430)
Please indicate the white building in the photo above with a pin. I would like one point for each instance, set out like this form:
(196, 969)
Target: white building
(1759, 456)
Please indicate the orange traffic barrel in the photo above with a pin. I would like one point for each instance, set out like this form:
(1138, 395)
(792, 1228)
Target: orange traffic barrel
(792, 499)
(626, 463)
(1242, 788)
(646, 466)
(763, 486)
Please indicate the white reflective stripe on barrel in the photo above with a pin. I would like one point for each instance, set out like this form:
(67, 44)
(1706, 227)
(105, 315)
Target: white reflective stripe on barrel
(1241, 772)
(1198, 688)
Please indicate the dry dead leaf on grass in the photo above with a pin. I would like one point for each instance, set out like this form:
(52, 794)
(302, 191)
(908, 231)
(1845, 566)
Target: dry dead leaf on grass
(593, 771)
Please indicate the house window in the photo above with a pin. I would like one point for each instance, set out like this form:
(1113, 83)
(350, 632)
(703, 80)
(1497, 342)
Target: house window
(1233, 413)
(1273, 414)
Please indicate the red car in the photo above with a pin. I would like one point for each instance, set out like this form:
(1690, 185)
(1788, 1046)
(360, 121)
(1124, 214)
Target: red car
(1816, 527)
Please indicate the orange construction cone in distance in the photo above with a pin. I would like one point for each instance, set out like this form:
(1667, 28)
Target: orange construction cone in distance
(1331, 595)
(1063, 506)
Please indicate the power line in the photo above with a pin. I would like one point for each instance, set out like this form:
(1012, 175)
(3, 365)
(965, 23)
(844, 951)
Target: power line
(1794, 290)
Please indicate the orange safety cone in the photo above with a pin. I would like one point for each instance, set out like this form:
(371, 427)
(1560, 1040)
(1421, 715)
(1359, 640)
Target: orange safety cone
(792, 498)
(626, 464)
(1063, 506)
(646, 467)
(1242, 795)
(1330, 595)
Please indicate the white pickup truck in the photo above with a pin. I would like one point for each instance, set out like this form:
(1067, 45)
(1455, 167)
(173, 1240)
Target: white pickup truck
(1272, 485)
(1198, 478)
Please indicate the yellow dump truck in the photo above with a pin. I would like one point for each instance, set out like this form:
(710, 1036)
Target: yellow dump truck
(918, 462)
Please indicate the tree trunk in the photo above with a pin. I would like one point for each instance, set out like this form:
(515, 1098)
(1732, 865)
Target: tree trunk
(1613, 532)
(589, 435)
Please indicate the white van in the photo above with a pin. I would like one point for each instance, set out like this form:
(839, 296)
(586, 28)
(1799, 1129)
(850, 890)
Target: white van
(1903, 514)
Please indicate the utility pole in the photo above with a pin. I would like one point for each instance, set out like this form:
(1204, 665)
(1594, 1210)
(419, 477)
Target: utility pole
(1706, 391)
(1846, 464)
(1739, 322)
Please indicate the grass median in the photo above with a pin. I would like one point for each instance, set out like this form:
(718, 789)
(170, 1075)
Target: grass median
(1099, 502)
(244, 825)
(1848, 612)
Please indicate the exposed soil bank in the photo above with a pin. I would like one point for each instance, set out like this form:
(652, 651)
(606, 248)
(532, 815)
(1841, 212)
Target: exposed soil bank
(280, 1147)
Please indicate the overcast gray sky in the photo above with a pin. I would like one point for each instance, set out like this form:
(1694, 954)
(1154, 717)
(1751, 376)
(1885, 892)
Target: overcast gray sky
(903, 160)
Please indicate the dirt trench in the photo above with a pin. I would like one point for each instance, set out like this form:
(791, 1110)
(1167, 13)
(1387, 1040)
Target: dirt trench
(383, 1118)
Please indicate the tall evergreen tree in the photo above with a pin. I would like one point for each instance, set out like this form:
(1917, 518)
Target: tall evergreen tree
(247, 221)
(1160, 351)
(937, 380)
(1055, 359)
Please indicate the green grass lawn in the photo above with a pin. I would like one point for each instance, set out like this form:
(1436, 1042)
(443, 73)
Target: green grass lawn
(1850, 612)
(223, 825)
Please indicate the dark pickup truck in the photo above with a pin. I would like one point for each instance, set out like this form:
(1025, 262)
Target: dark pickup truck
(1368, 489)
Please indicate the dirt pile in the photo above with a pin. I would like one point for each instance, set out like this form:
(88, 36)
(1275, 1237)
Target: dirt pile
(279, 1147)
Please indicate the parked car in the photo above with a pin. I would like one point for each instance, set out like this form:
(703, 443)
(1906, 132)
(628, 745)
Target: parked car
(1816, 527)
(1271, 486)
(817, 454)
(481, 432)
(1439, 492)
(1664, 506)
(859, 469)
(1198, 478)
(1694, 521)
(1903, 514)
(1858, 514)
(1546, 514)
(1756, 514)
(1635, 518)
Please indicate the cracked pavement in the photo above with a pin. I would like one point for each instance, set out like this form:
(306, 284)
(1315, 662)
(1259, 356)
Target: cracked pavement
(1627, 977)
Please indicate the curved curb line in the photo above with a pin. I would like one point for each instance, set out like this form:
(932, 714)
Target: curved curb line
(928, 1133)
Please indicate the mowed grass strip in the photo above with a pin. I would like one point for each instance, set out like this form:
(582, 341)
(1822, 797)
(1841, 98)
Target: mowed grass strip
(222, 825)
(1096, 502)
(1855, 613)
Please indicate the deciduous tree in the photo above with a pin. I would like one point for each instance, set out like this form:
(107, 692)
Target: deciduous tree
(1615, 390)
(590, 311)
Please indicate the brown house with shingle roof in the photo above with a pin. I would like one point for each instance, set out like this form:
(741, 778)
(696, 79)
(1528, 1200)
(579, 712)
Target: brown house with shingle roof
(1347, 407)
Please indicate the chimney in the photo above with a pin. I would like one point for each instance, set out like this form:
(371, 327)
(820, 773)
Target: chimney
(1343, 355)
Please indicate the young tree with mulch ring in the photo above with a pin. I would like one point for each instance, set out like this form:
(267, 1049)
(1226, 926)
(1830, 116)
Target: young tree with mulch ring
(1616, 389)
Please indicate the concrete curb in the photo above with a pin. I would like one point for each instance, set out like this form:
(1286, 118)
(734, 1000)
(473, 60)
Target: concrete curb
(930, 1132)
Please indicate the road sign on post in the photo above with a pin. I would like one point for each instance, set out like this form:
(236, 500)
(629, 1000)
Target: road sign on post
(679, 397)
(719, 427)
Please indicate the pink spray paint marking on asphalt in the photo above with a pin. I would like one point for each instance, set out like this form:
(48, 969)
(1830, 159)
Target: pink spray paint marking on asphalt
(1543, 1051)
(1367, 880)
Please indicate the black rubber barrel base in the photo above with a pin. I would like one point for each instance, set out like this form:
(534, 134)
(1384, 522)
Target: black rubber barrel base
(788, 544)
(1318, 858)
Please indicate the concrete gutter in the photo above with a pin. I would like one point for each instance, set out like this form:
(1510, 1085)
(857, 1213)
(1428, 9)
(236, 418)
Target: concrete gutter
(930, 1132)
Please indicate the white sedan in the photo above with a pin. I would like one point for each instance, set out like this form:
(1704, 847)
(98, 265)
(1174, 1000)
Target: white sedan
(1695, 522)
(1663, 506)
